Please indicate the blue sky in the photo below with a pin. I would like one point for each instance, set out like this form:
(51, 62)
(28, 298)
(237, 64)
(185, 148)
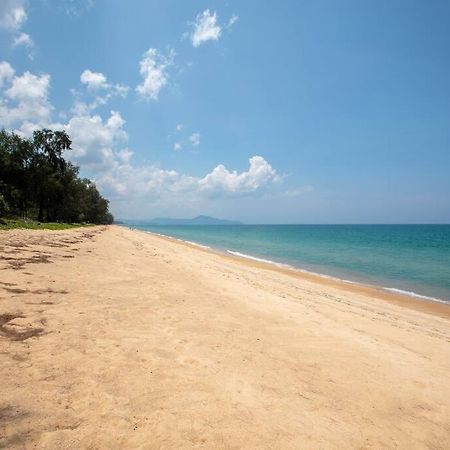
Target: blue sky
(275, 112)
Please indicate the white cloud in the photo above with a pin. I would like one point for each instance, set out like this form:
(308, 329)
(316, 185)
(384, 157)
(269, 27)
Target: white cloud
(12, 14)
(179, 127)
(25, 101)
(94, 140)
(93, 80)
(99, 147)
(125, 155)
(153, 69)
(194, 139)
(150, 184)
(97, 85)
(260, 173)
(12, 17)
(6, 72)
(25, 106)
(23, 39)
(97, 81)
(205, 28)
(29, 87)
(177, 146)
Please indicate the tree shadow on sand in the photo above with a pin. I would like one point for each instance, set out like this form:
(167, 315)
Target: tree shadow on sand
(14, 335)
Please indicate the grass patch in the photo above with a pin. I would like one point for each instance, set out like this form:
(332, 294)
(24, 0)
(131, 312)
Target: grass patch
(12, 224)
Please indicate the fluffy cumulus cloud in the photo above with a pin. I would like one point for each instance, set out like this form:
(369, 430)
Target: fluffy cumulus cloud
(207, 28)
(29, 87)
(99, 146)
(23, 39)
(153, 184)
(93, 80)
(100, 90)
(125, 155)
(153, 68)
(24, 101)
(6, 73)
(12, 14)
(12, 18)
(259, 174)
(25, 107)
(94, 140)
(97, 82)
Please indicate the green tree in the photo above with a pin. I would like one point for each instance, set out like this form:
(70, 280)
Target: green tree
(48, 165)
(36, 181)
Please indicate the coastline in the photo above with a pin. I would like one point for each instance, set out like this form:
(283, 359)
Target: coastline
(415, 301)
(117, 338)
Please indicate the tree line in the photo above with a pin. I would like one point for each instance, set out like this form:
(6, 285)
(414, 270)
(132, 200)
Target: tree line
(37, 183)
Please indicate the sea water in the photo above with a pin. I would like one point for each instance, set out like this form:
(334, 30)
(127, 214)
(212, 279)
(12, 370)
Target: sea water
(410, 259)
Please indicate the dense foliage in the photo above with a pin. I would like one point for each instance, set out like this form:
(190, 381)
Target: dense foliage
(36, 182)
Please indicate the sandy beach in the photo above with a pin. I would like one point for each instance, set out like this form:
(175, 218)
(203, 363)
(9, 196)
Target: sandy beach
(115, 338)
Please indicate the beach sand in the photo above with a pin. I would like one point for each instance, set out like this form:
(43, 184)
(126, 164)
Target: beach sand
(114, 338)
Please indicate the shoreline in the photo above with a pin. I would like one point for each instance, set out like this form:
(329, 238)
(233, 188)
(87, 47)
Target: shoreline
(414, 301)
(119, 338)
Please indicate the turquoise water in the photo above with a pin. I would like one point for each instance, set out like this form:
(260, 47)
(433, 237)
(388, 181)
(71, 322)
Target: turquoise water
(410, 258)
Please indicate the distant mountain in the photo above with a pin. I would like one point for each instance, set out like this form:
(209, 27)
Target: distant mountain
(199, 220)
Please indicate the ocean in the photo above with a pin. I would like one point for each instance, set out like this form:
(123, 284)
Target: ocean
(409, 259)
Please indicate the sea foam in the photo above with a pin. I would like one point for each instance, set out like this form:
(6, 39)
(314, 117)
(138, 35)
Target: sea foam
(370, 255)
(414, 294)
(254, 258)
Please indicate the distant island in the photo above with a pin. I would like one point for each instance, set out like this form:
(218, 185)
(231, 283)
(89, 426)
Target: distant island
(199, 220)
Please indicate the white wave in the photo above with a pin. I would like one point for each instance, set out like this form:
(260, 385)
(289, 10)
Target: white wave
(317, 274)
(195, 243)
(254, 258)
(178, 239)
(414, 294)
(296, 269)
(287, 266)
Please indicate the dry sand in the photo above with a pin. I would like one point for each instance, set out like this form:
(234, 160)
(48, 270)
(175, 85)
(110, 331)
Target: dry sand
(113, 338)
